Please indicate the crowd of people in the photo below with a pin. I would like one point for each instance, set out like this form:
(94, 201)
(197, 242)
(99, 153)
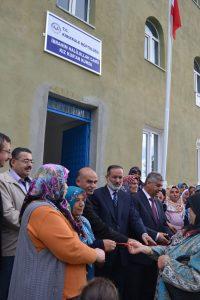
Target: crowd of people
(127, 240)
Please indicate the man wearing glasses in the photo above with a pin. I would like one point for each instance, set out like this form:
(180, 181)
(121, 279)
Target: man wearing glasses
(14, 185)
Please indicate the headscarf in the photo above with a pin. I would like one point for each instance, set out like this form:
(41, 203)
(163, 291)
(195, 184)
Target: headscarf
(185, 196)
(127, 181)
(72, 193)
(49, 184)
(175, 206)
(194, 203)
(180, 185)
(87, 236)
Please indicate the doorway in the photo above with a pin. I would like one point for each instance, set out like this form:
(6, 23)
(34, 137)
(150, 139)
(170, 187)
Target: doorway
(67, 136)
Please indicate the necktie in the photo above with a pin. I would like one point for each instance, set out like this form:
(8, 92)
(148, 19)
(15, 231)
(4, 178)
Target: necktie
(26, 180)
(154, 209)
(115, 198)
(24, 184)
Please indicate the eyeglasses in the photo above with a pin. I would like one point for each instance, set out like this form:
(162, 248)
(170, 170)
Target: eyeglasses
(7, 151)
(26, 161)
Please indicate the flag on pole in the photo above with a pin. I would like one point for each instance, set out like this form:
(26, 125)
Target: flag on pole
(175, 16)
(174, 22)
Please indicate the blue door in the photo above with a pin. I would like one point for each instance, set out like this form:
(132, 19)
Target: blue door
(75, 150)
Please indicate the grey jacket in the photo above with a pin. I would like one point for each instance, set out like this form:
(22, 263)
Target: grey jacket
(36, 275)
(12, 199)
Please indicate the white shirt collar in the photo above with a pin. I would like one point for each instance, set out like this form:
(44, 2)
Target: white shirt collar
(111, 191)
(146, 194)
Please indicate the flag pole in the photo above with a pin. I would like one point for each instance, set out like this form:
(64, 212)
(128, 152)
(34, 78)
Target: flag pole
(168, 94)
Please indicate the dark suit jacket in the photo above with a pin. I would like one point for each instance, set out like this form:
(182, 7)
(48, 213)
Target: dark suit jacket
(141, 202)
(145, 211)
(100, 229)
(127, 219)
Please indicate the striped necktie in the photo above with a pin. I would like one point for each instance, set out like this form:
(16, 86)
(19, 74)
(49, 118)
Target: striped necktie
(115, 198)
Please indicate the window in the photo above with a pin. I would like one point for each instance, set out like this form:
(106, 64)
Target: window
(151, 151)
(78, 8)
(152, 43)
(197, 2)
(197, 79)
(198, 160)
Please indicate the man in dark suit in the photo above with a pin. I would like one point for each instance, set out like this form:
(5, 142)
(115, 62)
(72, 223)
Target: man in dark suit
(115, 208)
(87, 180)
(141, 285)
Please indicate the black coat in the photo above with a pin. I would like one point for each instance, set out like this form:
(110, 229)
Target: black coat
(127, 219)
(141, 202)
(100, 229)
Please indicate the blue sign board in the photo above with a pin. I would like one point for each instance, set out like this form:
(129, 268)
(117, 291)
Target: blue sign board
(72, 44)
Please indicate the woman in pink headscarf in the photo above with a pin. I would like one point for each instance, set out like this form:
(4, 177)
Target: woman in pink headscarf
(175, 211)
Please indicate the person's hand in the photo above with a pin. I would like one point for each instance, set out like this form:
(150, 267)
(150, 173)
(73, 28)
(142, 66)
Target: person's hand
(163, 239)
(109, 245)
(162, 261)
(134, 243)
(173, 229)
(136, 249)
(100, 255)
(148, 240)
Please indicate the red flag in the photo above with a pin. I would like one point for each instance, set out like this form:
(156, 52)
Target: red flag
(176, 19)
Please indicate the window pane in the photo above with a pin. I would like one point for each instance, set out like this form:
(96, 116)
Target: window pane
(63, 3)
(144, 155)
(81, 9)
(197, 66)
(155, 52)
(152, 29)
(154, 152)
(198, 83)
(146, 39)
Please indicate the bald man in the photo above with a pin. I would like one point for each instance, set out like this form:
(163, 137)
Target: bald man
(87, 180)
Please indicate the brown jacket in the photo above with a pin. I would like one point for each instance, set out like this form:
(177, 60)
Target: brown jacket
(12, 199)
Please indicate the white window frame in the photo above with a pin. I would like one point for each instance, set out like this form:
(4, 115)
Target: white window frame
(198, 160)
(197, 2)
(149, 52)
(196, 76)
(72, 9)
(149, 131)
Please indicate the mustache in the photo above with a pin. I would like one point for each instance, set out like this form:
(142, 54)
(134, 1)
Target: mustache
(28, 168)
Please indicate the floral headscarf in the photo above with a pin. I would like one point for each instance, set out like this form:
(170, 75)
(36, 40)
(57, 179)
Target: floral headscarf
(49, 184)
(72, 193)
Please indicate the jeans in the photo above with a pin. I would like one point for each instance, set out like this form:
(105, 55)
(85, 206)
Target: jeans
(5, 275)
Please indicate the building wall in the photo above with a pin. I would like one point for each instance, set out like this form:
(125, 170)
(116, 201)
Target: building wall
(129, 94)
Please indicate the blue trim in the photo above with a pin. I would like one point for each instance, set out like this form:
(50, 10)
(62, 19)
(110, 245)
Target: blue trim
(88, 143)
(58, 112)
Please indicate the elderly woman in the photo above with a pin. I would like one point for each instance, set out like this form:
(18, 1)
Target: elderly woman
(50, 262)
(76, 198)
(175, 208)
(179, 263)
